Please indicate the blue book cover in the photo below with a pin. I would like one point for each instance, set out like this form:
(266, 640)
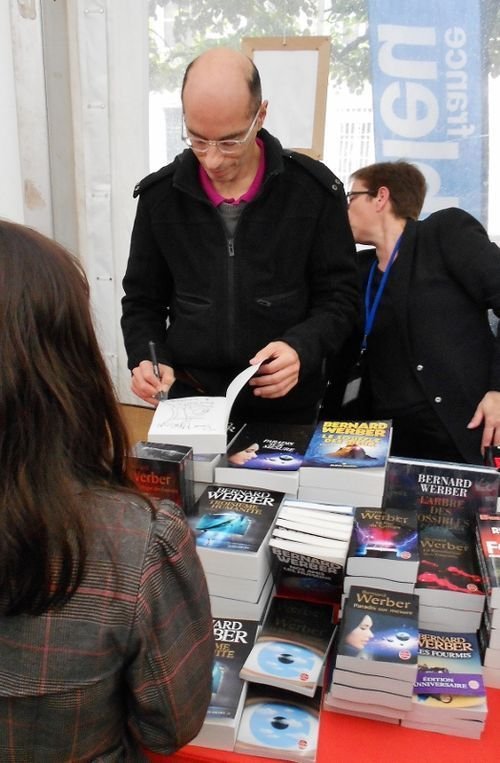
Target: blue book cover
(349, 444)
(234, 518)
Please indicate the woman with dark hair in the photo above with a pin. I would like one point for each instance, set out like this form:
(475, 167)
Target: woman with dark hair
(105, 627)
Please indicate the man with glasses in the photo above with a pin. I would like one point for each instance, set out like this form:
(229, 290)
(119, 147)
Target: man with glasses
(241, 252)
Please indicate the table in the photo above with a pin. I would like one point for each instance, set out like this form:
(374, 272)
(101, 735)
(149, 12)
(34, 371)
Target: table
(344, 739)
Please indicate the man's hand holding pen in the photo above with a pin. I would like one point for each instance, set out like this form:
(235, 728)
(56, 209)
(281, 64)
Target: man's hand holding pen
(151, 380)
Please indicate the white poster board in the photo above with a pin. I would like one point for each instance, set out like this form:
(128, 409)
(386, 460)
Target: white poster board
(294, 74)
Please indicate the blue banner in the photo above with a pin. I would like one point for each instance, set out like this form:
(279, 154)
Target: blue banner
(428, 91)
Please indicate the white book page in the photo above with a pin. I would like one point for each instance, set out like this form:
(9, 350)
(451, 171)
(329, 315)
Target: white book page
(197, 415)
(237, 385)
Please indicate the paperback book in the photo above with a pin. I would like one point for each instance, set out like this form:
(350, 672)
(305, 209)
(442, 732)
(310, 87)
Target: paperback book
(362, 488)
(279, 724)
(449, 691)
(292, 646)
(448, 619)
(232, 527)
(163, 472)
(371, 712)
(488, 548)
(236, 607)
(266, 455)
(361, 696)
(449, 574)
(378, 633)
(269, 446)
(459, 490)
(349, 444)
(233, 641)
(384, 543)
(309, 544)
(200, 422)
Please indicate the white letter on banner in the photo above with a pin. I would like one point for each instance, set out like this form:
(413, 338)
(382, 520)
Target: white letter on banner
(433, 202)
(391, 35)
(411, 126)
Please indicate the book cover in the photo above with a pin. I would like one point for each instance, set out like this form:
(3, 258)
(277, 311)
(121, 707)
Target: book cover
(378, 633)
(232, 526)
(269, 446)
(292, 646)
(449, 573)
(438, 486)
(163, 471)
(488, 546)
(449, 685)
(306, 577)
(349, 444)
(279, 724)
(200, 422)
(304, 569)
(384, 543)
(233, 641)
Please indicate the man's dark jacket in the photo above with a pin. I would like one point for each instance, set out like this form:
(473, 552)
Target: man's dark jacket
(210, 303)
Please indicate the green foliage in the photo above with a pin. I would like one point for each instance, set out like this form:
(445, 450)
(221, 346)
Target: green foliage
(201, 24)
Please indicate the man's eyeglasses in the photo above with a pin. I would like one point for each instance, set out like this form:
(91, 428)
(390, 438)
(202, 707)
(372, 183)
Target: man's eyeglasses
(350, 195)
(228, 146)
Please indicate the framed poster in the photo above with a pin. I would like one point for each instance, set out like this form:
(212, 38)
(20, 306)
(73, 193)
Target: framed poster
(294, 74)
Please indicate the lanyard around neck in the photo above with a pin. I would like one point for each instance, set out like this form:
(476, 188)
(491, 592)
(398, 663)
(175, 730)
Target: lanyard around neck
(371, 309)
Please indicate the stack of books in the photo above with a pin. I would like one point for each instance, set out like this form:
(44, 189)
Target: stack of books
(204, 463)
(375, 655)
(232, 527)
(234, 640)
(449, 583)
(345, 463)
(204, 471)
(446, 497)
(449, 695)
(425, 486)
(285, 670)
(309, 543)
(292, 646)
(383, 551)
(265, 455)
(488, 548)
(279, 724)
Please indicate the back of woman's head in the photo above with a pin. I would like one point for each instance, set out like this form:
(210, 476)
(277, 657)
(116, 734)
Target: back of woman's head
(405, 182)
(60, 429)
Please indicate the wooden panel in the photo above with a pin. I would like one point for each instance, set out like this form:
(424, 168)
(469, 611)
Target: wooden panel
(137, 419)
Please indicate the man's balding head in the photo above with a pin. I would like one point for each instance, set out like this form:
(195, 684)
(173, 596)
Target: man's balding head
(222, 73)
